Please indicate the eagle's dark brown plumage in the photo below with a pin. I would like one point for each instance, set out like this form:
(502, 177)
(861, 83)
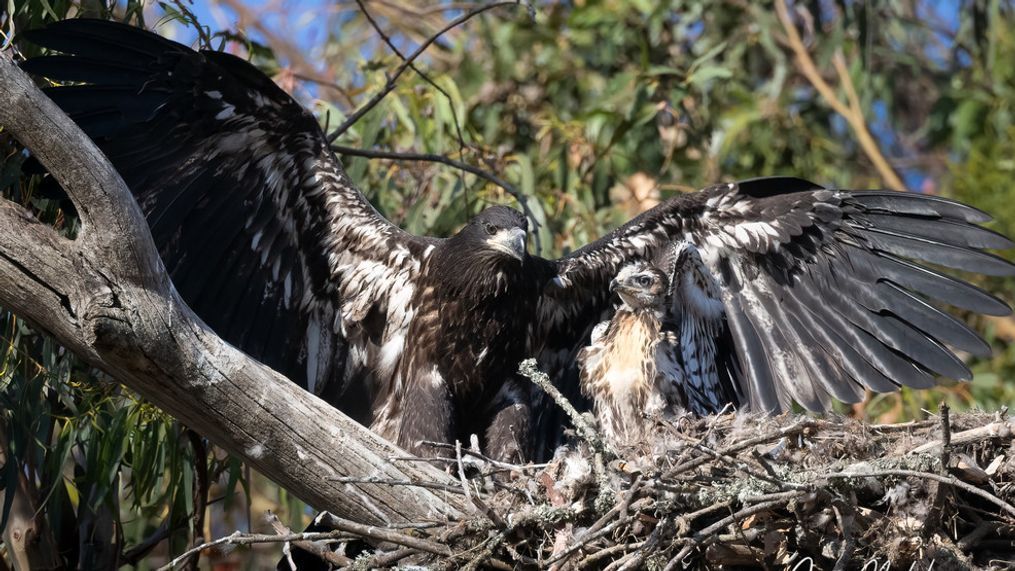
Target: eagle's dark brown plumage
(475, 290)
(270, 243)
(823, 292)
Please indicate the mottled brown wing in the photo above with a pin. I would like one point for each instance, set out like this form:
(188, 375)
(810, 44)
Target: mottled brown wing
(264, 235)
(825, 291)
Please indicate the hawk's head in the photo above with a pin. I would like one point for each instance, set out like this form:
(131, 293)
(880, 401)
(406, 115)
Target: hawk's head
(641, 285)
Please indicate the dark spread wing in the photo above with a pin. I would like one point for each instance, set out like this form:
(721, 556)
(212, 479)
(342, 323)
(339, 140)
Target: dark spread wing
(263, 234)
(825, 291)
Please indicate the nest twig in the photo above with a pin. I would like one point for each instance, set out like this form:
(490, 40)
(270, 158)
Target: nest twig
(741, 490)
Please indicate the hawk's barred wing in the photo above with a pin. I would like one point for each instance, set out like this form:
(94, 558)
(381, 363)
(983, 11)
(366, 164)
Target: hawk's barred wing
(261, 230)
(697, 339)
(825, 291)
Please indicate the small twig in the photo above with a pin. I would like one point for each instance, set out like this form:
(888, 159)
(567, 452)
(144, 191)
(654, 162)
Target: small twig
(622, 563)
(638, 556)
(382, 534)
(771, 477)
(929, 476)
(589, 560)
(680, 556)
(240, 538)
(1000, 429)
(495, 463)
(775, 496)
(385, 560)
(793, 429)
(316, 549)
(436, 459)
(393, 79)
(474, 499)
(524, 560)
(584, 540)
(946, 436)
(902, 426)
(764, 463)
(686, 519)
(523, 200)
(629, 497)
(779, 501)
(530, 370)
(610, 521)
(486, 554)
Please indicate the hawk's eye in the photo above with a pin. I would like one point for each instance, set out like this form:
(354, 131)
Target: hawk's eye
(490, 229)
(643, 281)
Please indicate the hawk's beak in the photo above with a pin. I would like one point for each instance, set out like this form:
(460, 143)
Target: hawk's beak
(511, 242)
(614, 284)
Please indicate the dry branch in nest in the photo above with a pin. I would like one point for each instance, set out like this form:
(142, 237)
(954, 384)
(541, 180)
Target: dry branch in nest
(735, 490)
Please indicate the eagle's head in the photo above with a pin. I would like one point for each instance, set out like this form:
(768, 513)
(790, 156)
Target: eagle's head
(641, 285)
(499, 230)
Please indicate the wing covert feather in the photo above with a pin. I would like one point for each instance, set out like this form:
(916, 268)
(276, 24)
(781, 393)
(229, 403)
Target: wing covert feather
(259, 226)
(826, 291)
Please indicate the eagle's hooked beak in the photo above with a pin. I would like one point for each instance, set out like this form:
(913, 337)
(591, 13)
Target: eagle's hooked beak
(613, 284)
(511, 242)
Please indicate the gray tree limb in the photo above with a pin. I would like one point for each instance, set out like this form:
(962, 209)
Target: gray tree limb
(106, 296)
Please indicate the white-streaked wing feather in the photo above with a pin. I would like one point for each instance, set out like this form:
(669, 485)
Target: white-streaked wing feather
(264, 235)
(824, 291)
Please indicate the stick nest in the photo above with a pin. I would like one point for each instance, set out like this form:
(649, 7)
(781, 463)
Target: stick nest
(737, 491)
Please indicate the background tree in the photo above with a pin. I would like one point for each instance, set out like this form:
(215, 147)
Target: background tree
(594, 111)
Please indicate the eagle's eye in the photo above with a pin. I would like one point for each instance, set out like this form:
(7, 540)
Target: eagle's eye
(643, 281)
(490, 228)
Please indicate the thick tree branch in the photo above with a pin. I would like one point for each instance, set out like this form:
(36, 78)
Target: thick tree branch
(107, 297)
(91, 181)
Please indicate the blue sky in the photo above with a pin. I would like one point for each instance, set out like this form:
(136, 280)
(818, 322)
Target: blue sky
(304, 15)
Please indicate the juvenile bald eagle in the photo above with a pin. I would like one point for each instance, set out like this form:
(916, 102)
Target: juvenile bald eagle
(270, 243)
(824, 292)
(656, 356)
